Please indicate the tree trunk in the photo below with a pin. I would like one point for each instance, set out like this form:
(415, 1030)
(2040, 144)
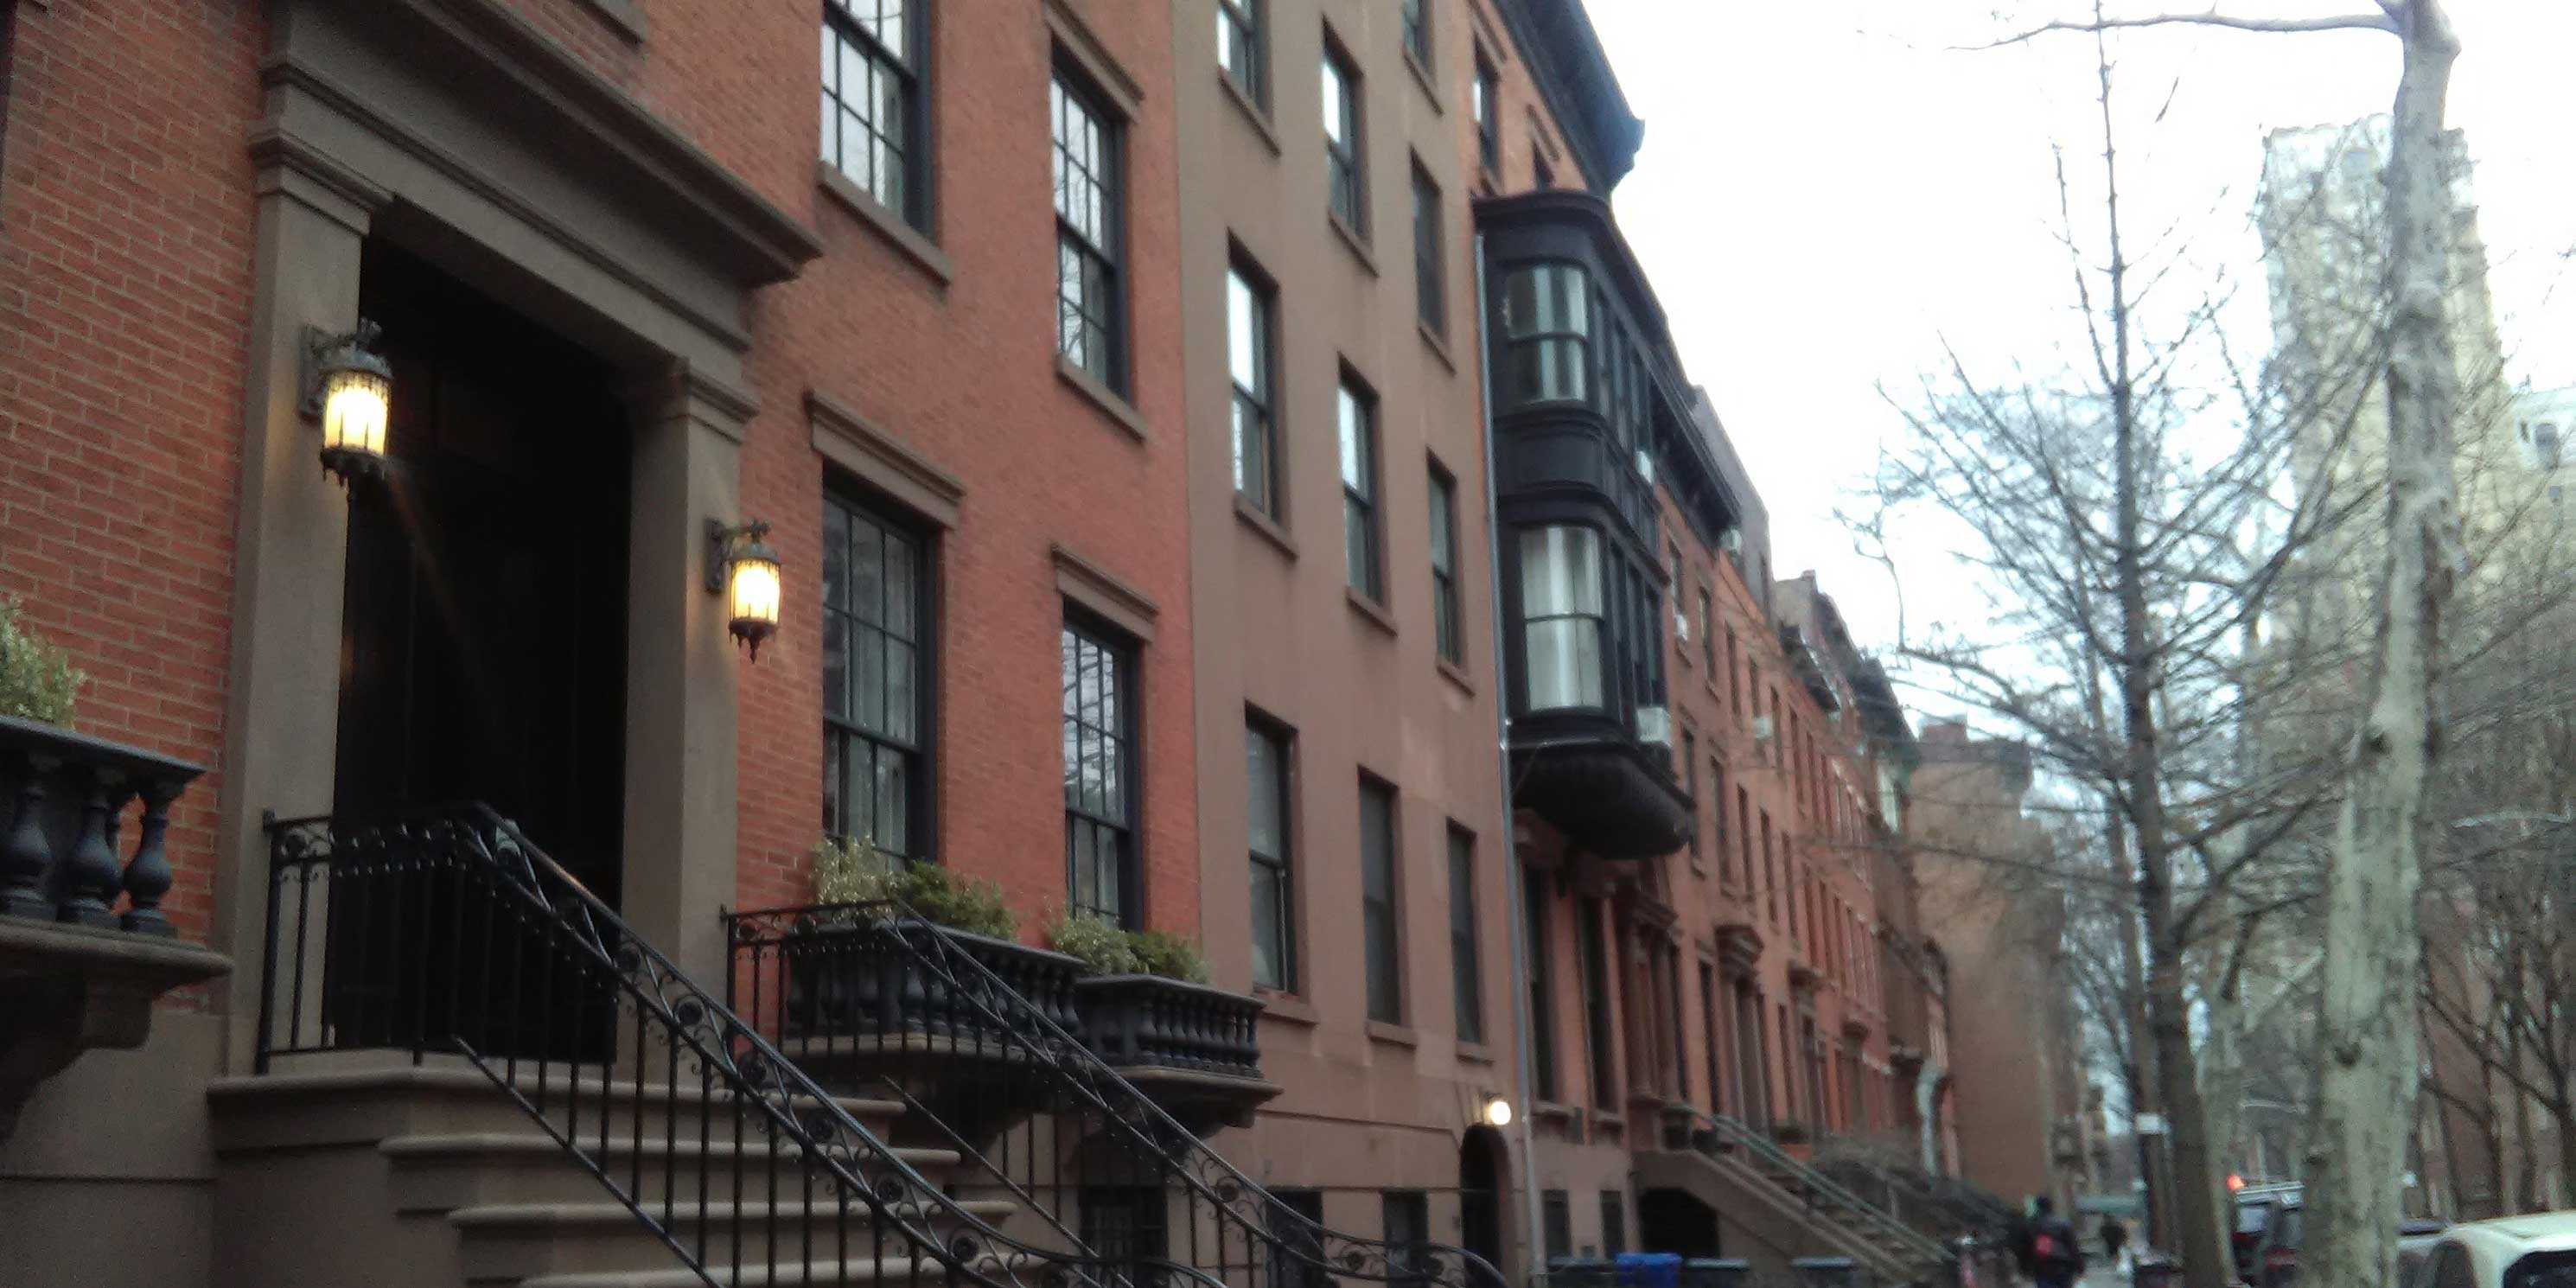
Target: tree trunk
(2366, 1028)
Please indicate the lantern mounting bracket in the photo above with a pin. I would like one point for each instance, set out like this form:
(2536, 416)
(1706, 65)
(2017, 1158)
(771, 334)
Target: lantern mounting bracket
(320, 345)
(722, 541)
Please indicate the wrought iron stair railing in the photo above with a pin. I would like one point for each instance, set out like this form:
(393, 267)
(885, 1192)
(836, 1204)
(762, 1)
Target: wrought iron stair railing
(1020, 1058)
(448, 931)
(1713, 1134)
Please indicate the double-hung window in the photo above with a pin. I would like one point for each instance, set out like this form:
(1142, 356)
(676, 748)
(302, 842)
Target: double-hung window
(1405, 1217)
(876, 703)
(1378, 937)
(1488, 112)
(872, 100)
(1466, 962)
(1090, 290)
(1448, 621)
(1100, 782)
(1345, 183)
(1430, 275)
(1417, 31)
(1249, 309)
(1562, 617)
(1239, 49)
(1598, 1026)
(1542, 1008)
(1690, 787)
(1356, 409)
(1266, 813)
(1547, 334)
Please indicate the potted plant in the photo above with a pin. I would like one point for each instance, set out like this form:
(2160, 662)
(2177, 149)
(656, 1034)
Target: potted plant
(37, 680)
(1147, 1002)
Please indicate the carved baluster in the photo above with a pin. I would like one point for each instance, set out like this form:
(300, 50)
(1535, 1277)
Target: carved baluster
(147, 878)
(26, 857)
(90, 876)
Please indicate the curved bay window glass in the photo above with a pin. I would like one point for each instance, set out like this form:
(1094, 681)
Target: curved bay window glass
(1561, 617)
(875, 716)
(1547, 334)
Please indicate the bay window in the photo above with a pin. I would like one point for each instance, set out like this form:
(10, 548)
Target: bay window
(1547, 332)
(1561, 617)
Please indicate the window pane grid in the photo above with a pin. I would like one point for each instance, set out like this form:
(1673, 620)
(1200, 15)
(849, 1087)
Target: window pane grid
(1377, 902)
(869, 85)
(1465, 959)
(1342, 143)
(1248, 358)
(1098, 778)
(1445, 613)
(1562, 618)
(1430, 286)
(1488, 144)
(1087, 286)
(1359, 491)
(1238, 46)
(873, 698)
(1274, 941)
(1417, 30)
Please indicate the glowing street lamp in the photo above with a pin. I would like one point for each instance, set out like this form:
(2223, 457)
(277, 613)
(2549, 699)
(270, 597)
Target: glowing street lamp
(742, 568)
(349, 387)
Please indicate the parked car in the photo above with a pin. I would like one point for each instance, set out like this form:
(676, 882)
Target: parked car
(2536, 1251)
(2276, 1255)
(2415, 1239)
(2255, 1206)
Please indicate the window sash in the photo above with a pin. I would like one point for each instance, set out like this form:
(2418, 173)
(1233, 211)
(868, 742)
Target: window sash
(1358, 418)
(1100, 783)
(1466, 962)
(882, 108)
(1239, 49)
(1563, 619)
(1488, 137)
(1248, 358)
(1542, 1009)
(1446, 615)
(1089, 287)
(1600, 1039)
(1377, 902)
(1430, 270)
(876, 699)
(1342, 143)
(1269, 829)
(1417, 30)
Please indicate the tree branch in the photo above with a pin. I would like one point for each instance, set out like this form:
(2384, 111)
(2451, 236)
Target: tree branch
(2385, 20)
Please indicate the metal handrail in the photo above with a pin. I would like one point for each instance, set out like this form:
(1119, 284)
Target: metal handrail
(1076, 1070)
(726, 1050)
(1862, 1210)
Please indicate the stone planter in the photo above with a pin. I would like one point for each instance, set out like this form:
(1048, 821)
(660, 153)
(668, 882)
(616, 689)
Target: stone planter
(863, 980)
(1148, 1022)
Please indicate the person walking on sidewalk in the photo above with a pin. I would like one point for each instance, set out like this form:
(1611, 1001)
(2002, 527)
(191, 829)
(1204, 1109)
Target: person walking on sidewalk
(2115, 1236)
(2048, 1250)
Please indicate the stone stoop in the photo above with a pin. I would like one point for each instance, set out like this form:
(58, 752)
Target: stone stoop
(430, 1177)
(1771, 1214)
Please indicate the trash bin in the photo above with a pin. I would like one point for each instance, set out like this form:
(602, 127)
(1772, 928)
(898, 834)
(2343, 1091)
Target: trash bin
(1649, 1270)
(2154, 1271)
(1716, 1272)
(1827, 1272)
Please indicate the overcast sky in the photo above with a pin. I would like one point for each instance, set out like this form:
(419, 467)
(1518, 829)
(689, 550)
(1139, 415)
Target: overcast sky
(1829, 189)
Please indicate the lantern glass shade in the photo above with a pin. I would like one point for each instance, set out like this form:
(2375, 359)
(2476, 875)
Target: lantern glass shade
(1498, 1112)
(752, 592)
(355, 406)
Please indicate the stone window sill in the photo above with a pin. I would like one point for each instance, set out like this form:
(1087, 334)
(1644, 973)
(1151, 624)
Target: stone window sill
(1476, 1051)
(1265, 525)
(1252, 112)
(1395, 1034)
(1351, 238)
(1370, 609)
(1287, 1008)
(1430, 86)
(1457, 675)
(1439, 347)
(1103, 397)
(887, 225)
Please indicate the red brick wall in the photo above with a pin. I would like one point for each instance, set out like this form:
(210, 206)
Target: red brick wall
(125, 288)
(125, 264)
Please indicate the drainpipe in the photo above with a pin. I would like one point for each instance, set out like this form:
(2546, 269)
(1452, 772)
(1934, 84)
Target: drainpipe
(1513, 896)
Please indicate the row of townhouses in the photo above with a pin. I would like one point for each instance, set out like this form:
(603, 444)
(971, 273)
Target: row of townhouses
(574, 514)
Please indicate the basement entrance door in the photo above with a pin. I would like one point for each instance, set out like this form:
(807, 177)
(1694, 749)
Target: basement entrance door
(483, 633)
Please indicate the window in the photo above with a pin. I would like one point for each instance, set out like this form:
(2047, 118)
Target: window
(1239, 48)
(1542, 1009)
(1717, 809)
(1377, 901)
(1485, 103)
(1707, 633)
(1356, 409)
(1734, 677)
(1266, 820)
(1744, 837)
(1770, 874)
(1417, 30)
(1547, 330)
(1598, 1028)
(876, 701)
(1711, 1031)
(1100, 783)
(1089, 293)
(1430, 275)
(1405, 1217)
(1346, 189)
(1690, 787)
(1543, 175)
(1561, 617)
(1298, 1259)
(872, 100)
(1614, 1223)
(1466, 964)
(1125, 1225)
(1556, 1217)
(1448, 622)
(1249, 309)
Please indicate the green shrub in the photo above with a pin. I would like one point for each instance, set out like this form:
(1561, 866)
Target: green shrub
(37, 680)
(1171, 956)
(1097, 944)
(857, 872)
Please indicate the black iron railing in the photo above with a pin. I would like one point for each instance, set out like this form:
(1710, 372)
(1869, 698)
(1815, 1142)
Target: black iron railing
(449, 932)
(1047, 1114)
(1686, 1127)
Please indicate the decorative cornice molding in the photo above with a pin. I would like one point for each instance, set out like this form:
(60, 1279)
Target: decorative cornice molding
(1078, 39)
(851, 441)
(1096, 588)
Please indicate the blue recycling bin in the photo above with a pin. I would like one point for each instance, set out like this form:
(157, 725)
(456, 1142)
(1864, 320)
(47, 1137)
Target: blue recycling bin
(1649, 1270)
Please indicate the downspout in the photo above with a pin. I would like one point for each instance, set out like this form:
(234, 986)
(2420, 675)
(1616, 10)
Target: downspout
(1514, 899)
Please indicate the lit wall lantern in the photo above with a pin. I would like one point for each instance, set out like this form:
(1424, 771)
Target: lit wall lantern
(1498, 1112)
(349, 388)
(742, 568)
